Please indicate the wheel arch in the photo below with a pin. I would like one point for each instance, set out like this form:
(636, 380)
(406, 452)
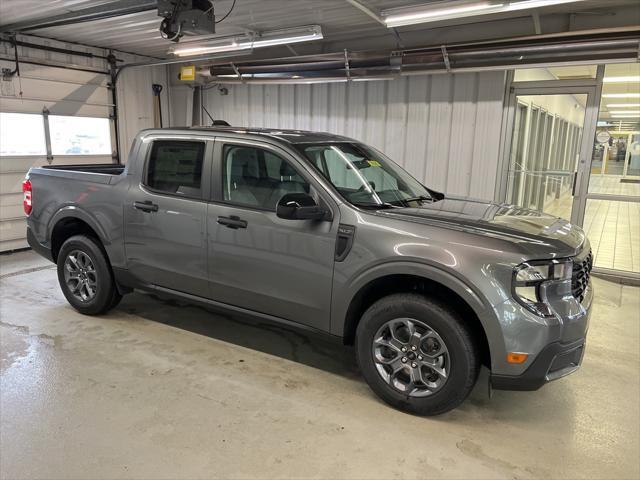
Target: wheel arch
(455, 294)
(66, 224)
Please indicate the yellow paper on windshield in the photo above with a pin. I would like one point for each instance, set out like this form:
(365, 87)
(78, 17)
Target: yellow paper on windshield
(374, 163)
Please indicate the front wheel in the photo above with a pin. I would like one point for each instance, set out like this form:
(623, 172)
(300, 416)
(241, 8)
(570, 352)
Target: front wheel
(416, 354)
(85, 276)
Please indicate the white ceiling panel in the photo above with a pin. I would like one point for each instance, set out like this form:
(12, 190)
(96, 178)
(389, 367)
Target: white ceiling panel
(342, 23)
(138, 33)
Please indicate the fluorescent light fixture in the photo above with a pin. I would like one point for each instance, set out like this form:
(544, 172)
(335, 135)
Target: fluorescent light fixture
(185, 50)
(625, 79)
(625, 112)
(625, 116)
(372, 78)
(423, 15)
(523, 5)
(616, 123)
(621, 95)
(248, 42)
(622, 105)
(398, 17)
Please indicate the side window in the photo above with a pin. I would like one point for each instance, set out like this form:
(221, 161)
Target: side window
(258, 178)
(176, 167)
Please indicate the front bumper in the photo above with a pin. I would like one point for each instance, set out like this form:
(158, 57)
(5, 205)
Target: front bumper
(555, 361)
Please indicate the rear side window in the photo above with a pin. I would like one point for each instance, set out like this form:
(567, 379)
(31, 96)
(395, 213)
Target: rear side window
(175, 167)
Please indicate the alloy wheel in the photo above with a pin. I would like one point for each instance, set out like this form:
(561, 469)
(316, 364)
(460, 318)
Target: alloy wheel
(411, 357)
(80, 275)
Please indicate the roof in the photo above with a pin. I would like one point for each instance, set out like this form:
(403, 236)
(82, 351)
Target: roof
(281, 135)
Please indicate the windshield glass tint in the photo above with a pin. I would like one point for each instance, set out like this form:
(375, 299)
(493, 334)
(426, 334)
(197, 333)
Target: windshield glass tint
(364, 176)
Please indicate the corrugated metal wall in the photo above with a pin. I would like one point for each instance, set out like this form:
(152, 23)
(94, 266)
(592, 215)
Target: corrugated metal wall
(67, 92)
(444, 129)
(135, 103)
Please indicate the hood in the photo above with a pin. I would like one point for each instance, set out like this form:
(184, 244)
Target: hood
(533, 231)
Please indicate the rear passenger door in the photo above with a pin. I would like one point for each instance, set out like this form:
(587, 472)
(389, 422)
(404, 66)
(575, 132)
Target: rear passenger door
(258, 261)
(165, 214)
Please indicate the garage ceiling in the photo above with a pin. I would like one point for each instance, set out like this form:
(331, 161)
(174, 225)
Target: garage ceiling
(343, 24)
(138, 33)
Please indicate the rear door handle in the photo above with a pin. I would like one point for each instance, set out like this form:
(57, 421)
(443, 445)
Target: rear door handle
(146, 206)
(232, 222)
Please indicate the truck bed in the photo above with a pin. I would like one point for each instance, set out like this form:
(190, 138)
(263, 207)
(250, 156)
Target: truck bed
(105, 168)
(105, 173)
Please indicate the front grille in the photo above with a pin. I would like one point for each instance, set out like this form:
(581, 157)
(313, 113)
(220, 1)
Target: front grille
(580, 278)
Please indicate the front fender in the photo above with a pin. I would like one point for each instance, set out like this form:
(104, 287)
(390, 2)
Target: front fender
(344, 294)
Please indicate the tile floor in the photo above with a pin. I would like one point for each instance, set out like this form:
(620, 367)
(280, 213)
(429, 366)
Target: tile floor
(612, 227)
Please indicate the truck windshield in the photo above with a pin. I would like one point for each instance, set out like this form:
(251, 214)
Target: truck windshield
(365, 177)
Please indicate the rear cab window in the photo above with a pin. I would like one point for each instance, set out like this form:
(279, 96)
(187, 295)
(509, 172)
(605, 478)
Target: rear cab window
(175, 167)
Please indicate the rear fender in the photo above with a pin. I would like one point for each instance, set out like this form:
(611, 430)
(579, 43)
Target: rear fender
(73, 211)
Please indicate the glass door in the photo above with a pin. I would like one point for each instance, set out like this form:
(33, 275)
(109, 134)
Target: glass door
(612, 210)
(548, 154)
(572, 149)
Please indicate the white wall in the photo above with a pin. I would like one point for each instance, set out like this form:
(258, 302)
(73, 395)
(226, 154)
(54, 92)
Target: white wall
(444, 129)
(68, 92)
(569, 107)
(181, 99)
(135, 103)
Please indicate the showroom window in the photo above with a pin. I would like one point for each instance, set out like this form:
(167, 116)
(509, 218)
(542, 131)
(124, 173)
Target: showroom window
(79, 135)
(22, 134)
(175, 167)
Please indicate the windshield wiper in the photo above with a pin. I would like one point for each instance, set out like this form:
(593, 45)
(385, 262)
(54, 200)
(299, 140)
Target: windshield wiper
(419, 198)
(377, 206)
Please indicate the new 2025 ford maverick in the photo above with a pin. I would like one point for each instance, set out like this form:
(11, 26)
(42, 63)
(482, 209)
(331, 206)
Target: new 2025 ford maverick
(326, 233)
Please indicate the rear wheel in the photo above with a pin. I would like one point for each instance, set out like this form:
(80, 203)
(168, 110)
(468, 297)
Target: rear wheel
(416, 354)
(85, 276)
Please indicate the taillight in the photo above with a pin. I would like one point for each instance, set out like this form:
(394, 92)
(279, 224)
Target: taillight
(27, 196)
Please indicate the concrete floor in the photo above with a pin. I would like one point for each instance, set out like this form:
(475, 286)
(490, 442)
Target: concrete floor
(160, 390)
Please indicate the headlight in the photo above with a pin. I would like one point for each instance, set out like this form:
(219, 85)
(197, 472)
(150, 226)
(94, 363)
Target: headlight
(528, 278)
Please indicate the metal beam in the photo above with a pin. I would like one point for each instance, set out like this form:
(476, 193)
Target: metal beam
(536, 23)
(108, 10)
(366, 10)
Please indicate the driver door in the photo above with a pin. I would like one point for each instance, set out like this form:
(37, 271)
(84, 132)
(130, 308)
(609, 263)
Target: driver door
(257, 260)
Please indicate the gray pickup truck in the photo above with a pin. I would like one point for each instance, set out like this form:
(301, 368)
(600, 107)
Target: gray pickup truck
(323, 232)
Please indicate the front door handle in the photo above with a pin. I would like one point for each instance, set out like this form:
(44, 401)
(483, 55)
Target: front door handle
(146, 206)
(232, 222)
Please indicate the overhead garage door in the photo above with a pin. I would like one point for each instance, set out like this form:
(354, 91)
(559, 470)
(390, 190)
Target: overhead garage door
(48, 115)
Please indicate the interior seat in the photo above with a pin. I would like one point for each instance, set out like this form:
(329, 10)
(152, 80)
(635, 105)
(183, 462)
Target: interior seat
(290, 182)
(243, 176)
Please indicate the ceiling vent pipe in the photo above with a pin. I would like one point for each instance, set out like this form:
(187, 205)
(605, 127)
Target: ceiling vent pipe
(570, 48)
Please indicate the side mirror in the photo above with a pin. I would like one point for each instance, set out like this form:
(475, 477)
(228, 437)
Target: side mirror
(299, 206)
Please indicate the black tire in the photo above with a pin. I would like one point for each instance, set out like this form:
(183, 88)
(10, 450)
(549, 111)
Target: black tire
(105, 295)
(463, 353)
